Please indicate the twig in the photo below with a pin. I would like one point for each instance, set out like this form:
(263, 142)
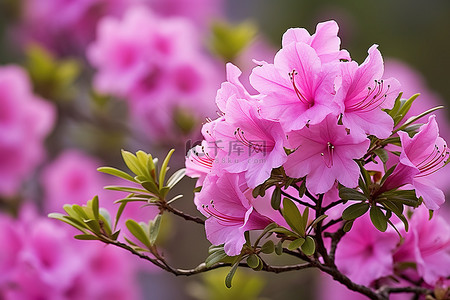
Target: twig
(179, 213)
(297, 200)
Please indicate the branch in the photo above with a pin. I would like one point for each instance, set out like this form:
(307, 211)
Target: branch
(297, 200)
(385, 291)
(179, 213)
(331, 205)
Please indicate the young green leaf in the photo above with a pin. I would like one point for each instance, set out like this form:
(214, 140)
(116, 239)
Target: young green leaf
(164, 168)
(268, 247)
(296, 244)
(230, 275)
(378, 218)
(117, 173)
(355, 211)
(253, 261)
(293, 217)
(138, 232)
(276, 198)
(309, 246)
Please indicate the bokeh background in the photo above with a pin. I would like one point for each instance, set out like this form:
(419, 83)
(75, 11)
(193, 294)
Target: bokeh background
(414, 38)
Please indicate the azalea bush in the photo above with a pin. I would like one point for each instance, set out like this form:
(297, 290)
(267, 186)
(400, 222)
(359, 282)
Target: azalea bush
(318, 163)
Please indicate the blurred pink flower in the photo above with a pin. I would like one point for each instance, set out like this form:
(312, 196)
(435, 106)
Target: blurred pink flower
(158, 65)
(51, 264)
(427, 244)
(365, 253)
(66, 26)
(25, 121)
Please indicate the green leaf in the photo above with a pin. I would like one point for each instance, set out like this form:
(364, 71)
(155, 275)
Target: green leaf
(320, 218)
(275, 201)
(309, 246)
(95, 207)
(382, 154)
(268, 247)
(354, 211)
(302, 189)
(406, 105)
(86, 237)
(162, 173)
(230, 275)
(154, 229)
(378, 218)
(176, 177)
(348, 226)
(256, 190)
(132, 163)
(253, 261)
(138, 232)
(125, 189)
(117, 173)
(215, 257)
(415, 118)
(296, 244)
(397, 104)
(151, 187)
(293, 217)
(279, 247)
(119, 213)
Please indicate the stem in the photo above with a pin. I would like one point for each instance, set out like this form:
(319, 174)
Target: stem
(297, 200)
(165, 206)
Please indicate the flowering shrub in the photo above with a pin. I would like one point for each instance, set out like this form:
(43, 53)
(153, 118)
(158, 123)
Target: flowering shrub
(320, 164)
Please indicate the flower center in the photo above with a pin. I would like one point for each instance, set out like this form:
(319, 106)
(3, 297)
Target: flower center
(375, 98)
(308, 102)
(257, 146)
(328, 156)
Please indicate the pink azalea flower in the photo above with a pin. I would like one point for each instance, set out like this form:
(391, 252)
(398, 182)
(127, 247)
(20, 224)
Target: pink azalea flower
(25, 121)
(412, 82)
(325, 153)
(229, 211)
(427, 244)
(364, 93)
(297, 89)
(251, 144)
(325, 41)
(421, 155)
(365, 253)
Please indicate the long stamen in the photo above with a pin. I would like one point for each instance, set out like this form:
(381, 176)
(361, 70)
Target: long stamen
(240, 136)
(300, 96)
(221, 217)
(375, 98)
(433, 162)
(330, 154)
(205, 160)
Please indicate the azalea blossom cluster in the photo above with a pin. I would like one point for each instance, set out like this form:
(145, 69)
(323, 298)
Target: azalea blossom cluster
(66, 28)
(158, 66)
(323, 124)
